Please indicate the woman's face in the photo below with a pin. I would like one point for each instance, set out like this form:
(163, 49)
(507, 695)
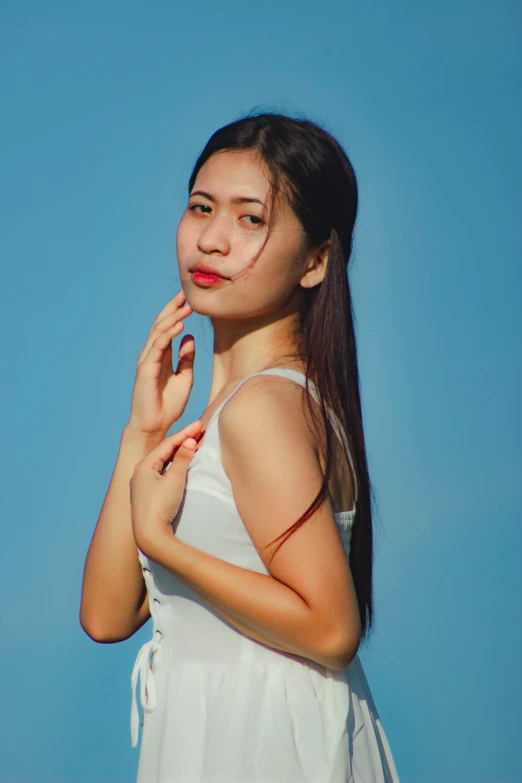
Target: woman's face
(219, 231)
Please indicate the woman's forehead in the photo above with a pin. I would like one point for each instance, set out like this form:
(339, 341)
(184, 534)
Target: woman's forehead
(230, 172)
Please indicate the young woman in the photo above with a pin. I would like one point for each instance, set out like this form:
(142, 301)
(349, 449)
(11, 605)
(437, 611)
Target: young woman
(247, 535)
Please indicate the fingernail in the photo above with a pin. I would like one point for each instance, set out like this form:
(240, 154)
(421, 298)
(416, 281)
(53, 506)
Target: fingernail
(190, 443)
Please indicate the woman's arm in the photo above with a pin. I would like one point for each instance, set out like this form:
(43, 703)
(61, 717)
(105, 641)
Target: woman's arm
(306, 605)
(114, 602)
(258, 605)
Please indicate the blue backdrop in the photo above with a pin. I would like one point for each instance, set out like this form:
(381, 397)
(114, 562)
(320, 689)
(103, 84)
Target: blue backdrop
(106, 106)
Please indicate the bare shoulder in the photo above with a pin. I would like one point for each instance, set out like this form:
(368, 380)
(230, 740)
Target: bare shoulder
(269, 412)
(269, 456)
(271, 403)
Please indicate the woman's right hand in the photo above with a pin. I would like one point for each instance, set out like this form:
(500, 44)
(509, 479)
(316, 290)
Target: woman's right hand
(160, 395)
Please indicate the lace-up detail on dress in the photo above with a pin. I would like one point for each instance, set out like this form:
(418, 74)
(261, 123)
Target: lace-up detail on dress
(144, 665)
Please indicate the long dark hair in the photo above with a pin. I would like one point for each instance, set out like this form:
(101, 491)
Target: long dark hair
(306, 163)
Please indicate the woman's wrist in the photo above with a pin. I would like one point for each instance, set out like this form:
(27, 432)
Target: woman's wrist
(133, 435)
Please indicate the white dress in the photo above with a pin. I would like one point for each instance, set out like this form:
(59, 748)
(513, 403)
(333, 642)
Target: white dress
(220, 707)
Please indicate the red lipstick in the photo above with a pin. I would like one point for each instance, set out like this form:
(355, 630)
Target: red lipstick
(203, 279)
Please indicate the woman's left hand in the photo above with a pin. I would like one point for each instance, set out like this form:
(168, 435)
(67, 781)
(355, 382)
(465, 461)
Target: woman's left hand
(158, 484)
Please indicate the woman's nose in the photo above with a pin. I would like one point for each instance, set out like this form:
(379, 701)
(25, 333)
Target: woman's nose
(215, 236)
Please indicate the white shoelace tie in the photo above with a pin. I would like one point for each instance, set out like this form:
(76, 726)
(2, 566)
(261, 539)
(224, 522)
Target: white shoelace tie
(145, 669)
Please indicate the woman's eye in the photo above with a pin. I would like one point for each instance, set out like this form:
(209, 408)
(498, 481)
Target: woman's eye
(256, 218)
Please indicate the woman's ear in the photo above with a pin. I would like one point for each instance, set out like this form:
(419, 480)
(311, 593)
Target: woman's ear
(317, 262)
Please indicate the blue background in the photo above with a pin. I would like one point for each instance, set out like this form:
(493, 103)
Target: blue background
(105, 109)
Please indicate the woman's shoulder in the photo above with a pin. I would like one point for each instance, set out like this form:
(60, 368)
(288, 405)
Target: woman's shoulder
(270, 400)
(273, 390)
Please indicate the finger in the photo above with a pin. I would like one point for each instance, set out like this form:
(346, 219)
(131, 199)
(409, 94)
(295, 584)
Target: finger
(172, 308)
(185, 450)
(172, 317)
(176, 301)
(169, 327)
(155, 348)
(181, 457)
(192, 430)
(186, 356)
(165, 448)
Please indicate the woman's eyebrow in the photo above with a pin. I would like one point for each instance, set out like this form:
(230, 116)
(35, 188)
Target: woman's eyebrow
(234, 200)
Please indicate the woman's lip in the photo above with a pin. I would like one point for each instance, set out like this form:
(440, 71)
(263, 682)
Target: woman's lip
(204, 277)
(210, 274)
